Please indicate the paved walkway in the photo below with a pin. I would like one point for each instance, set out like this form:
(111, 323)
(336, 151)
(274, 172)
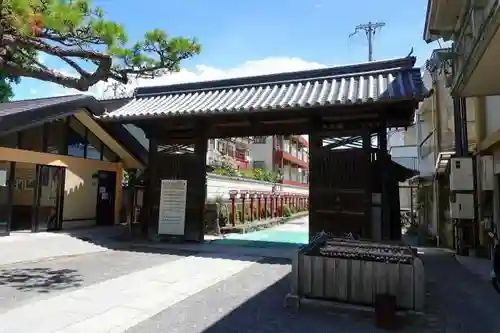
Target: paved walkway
(120, 303)
(293, 234)
(19, 247)
(478, 266)
(86, 288)
(457, 299)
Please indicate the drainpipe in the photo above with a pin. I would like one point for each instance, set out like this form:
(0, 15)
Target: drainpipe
(436, 116)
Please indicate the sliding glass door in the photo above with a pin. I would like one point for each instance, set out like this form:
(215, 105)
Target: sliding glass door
(49, 201)
(5, 197)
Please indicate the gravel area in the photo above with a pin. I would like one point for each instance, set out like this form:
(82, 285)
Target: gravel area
(26, 282)
(253, 301)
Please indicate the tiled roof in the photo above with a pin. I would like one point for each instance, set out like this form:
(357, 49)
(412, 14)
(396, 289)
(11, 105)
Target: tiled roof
(13, 107)
(21, 113)
(391, 80)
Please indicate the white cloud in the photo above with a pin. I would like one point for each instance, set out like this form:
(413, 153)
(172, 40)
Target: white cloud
(268, 65)
(205, 73)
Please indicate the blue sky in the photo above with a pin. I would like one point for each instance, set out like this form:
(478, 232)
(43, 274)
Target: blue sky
(295, 34)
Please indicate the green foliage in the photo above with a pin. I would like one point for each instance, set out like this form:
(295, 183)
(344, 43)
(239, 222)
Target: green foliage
(225, 166)
(6, 82)
(287, 212)
(265, 175)
(78, 33)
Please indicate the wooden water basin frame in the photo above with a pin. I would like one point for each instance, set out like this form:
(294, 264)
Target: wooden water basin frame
(341, 277)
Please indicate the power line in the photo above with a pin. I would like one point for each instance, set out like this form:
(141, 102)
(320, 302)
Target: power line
(369, 29)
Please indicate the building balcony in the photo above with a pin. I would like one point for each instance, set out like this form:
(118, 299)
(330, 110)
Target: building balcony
(281, 154)
(409, 162)
(477, 50)
(476, 43)
(294, 183)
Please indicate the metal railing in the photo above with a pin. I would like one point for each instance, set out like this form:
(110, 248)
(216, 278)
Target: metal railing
(410, 162)
(426, 147)
(469, 33)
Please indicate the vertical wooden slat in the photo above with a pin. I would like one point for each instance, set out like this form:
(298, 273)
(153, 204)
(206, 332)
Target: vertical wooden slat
(294, 280)
(318, 275)
(419, 281)
(305, 275)
(406, 286)
(341, 279)
(356, 286)
(367, 282)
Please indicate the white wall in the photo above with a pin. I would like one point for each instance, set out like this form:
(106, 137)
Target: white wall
(263, 152)
(407, 157)
(221, 185)
(403, 151)
(492, 106)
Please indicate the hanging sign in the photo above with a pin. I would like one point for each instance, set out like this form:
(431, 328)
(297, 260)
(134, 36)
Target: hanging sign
(172, 212)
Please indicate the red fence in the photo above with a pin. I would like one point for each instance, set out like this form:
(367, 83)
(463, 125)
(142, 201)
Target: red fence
(256, 206)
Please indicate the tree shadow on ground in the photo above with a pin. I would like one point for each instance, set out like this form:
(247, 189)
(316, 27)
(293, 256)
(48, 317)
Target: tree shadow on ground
(41, 280)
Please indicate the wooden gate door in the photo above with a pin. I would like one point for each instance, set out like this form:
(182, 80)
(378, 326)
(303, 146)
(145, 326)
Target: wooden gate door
(184, 166)
(342, 193)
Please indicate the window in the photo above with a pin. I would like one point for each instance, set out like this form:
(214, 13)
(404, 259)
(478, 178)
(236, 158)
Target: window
(94, 146)
(260, 139)
(259, 164)
(77, 144)
(32, 139)
(211, 144)
(56, 135)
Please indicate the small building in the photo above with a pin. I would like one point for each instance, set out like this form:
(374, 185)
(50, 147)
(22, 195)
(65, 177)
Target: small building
(59, 167)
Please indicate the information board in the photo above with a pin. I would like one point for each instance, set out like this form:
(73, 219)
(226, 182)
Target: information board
(172, 213)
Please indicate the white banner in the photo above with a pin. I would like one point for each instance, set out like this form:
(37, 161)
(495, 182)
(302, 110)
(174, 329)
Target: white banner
(172, 214)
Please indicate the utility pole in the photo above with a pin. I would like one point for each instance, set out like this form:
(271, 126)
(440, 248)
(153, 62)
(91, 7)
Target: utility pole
(370, 28)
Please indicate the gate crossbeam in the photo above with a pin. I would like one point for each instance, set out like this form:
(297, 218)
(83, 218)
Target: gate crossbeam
(345, 142)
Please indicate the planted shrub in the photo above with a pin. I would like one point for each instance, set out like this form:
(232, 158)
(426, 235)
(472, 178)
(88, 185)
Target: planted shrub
(287, 212)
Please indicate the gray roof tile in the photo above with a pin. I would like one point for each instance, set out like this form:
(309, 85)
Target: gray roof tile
(13, 107)
(365, 83)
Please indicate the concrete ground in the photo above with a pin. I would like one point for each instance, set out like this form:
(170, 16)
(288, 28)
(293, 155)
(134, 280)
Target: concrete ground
(213, 289)
(22, 247)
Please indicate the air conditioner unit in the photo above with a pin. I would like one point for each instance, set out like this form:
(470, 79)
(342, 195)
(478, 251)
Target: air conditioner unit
(486, 172)
(461, 174)
(462, 206)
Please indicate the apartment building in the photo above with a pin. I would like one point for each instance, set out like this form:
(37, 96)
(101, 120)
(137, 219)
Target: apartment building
(236, 148)
(465, 82)
(287, 155)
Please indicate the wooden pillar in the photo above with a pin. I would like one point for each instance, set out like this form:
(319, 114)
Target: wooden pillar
(197, 192)
(384, 176)
(150, 192)
(315, 146)
(367, 147)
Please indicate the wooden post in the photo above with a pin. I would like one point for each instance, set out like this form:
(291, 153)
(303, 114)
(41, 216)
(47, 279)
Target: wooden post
(199, 194)
(151, 179)
(383, 169)
(367, 147)
(315, 146)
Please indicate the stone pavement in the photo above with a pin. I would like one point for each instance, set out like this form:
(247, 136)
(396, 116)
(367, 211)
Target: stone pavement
(89, 289)
(19, 247)
(27, 282)
(117, 304)
(458, 300)
(477, 266)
